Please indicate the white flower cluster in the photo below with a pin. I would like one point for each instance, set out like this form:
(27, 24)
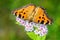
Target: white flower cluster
(41, 29)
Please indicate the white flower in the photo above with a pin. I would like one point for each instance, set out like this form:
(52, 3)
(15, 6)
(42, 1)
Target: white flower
(18, 19)
(42, 30)
(29, 26)
(36, 25)
(37, 31)
(21, 21)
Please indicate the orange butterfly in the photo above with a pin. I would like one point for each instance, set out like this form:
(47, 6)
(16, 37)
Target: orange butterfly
(33, 13)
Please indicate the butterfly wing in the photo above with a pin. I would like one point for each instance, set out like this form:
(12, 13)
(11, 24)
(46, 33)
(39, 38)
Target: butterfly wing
(41, 17)
(25, 12)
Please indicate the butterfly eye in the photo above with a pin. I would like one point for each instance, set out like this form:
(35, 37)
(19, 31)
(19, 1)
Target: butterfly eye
(42, 21)
(15, 13)
(19, 15)
(47, 22)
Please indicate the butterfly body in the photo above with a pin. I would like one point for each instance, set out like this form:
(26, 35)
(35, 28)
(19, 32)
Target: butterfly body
(33, 13)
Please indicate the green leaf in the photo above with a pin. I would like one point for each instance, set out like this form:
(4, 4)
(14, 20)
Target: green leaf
(33, 36)
(18, 23)
(40, 37)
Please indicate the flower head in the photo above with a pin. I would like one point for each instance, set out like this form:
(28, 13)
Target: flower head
(21, 21)
(41, 29)
(28, 26)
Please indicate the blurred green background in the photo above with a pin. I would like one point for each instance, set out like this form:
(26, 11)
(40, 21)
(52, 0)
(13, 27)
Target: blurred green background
(11, 31)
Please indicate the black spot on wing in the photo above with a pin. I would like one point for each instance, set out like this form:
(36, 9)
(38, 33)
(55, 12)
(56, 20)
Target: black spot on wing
(47, 22)
(23, 9)
(19, 15)
(16, 13)
(24, 13)
(42, 22)
(43, 18)
(43, 14)
(39, 17)
(38, 21)
(23, 17)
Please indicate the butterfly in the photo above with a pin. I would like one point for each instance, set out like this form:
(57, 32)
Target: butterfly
(33, 14)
